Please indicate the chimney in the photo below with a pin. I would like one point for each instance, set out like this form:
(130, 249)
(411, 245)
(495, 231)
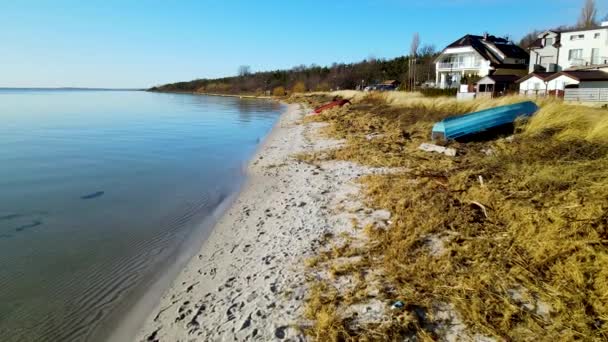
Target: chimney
(604, 24)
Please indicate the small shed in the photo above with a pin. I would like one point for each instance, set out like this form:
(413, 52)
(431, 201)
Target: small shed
(393, 83)
(578, 79)
(496, 85)
(388, 85)
(535, 83)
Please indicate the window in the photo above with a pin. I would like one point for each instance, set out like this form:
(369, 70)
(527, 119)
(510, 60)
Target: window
(596, 36)
(575, 54)
(577, 36)
(548, 41)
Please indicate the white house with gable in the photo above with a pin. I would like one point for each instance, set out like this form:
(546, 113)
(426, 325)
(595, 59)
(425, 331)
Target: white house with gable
(480, 56)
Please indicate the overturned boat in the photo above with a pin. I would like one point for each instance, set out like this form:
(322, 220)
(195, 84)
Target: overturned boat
(335, 103)
(477, 122)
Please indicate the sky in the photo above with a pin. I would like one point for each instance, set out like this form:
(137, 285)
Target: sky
(138, 44)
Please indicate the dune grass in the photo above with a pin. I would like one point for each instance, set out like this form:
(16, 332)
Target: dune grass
(523, 222)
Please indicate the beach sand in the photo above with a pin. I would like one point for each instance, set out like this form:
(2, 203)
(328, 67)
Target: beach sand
(249, 279)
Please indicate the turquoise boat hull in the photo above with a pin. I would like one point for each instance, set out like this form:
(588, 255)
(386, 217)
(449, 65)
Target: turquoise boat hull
(477, 122)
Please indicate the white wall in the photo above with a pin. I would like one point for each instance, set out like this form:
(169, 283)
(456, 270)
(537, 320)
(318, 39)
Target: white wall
(586, 44)
(532, 83)
(561, 82)
(485, 68)
(546, 51)
(442, 73)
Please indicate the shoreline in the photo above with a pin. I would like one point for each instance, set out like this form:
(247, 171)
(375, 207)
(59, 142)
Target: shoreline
(249, 279)
(216, 94)
(200, 277)
(126, 324)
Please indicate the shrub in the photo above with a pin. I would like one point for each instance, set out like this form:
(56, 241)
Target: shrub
(436, 92)
(299, 87)
(278, 91)
(323, 86)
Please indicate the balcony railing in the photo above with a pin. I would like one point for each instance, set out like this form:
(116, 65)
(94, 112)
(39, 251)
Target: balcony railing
(588, 61)
(460, 65)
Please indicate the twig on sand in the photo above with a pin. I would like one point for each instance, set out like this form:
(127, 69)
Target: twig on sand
(482, 207)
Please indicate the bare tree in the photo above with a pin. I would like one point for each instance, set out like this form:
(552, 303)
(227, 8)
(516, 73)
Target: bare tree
(427, 50)
(415, 44)
(244, 70)
(588, 15)
(412, 60)
(427, 53)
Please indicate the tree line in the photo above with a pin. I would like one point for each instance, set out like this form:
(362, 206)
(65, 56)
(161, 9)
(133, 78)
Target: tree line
(418, 66)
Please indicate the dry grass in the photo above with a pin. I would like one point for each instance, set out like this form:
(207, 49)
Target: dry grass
(525, 249)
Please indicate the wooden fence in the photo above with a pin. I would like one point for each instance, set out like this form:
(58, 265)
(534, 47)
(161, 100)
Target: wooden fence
(587, 95)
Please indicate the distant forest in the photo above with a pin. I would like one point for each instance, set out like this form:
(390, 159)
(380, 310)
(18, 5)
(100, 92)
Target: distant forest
(317, 78)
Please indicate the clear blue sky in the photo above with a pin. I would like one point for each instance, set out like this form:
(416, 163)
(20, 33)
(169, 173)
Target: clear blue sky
(125, 43)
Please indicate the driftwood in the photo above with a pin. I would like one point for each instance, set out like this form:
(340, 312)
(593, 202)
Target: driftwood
(481, 206)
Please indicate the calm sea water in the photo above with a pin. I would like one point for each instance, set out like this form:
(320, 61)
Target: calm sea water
(100, 192)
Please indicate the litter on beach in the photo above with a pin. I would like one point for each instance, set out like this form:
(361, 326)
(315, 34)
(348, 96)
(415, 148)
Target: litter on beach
(476, 122)
(450, 152)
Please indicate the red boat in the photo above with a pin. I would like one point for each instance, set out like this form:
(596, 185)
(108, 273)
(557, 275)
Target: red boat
(337, 103)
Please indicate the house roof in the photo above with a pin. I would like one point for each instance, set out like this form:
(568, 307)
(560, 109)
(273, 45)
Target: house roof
(482, 45)
(542, 75)
(538, 43)
(512, 66)
(582, 75)
(501, 78)
(589, 67)
(583, 30)
(512, 50)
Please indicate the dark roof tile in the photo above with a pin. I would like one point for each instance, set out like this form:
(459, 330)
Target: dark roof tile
(542, 75)
(480, 44)
(584, 75)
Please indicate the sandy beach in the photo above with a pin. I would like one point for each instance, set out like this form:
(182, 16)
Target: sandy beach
(248, 282)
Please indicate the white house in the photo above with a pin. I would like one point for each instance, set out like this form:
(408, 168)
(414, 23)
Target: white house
(555, 51)
(539, 83)
(544, 52)
(478, 56)
(535, 83)
(584, 47)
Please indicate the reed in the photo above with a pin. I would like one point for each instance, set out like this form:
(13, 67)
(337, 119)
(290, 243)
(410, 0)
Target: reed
(524, 251)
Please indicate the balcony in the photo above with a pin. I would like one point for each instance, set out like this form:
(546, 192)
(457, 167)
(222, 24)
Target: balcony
(459, 65)
(587, 61)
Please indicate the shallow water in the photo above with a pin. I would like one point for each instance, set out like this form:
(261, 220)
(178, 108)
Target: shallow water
(99, 193)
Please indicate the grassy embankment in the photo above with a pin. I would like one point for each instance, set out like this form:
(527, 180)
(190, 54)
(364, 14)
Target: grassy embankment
(511, 234)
